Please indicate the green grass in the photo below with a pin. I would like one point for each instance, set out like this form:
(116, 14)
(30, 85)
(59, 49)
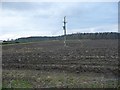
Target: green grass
(17, 84)
(39, 79)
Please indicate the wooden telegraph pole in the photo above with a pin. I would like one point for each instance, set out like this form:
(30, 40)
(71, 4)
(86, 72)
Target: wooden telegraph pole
(64, 28)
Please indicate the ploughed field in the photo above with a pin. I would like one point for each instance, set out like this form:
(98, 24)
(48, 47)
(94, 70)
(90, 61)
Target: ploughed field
(82, 63)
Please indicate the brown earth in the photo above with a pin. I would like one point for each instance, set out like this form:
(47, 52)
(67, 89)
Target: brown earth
(79, 56)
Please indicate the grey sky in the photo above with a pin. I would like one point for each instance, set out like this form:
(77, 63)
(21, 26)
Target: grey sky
(23, 19)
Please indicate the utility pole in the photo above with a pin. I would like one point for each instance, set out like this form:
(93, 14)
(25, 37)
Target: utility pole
(64, 28)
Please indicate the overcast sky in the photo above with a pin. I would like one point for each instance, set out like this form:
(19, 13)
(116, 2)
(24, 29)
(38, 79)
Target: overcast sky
(24, 19)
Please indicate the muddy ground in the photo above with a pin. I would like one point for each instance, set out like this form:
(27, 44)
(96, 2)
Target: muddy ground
(86, 63)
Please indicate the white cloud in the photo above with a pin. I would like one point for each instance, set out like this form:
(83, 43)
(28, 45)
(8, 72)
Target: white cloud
(14, 35)
(41, 21)
(31, 22)
(60, 0)
(108, 28)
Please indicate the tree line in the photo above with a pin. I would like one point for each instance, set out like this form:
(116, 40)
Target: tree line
(74, 36)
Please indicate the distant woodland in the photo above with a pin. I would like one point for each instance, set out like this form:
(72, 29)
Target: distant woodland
(75, 36)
